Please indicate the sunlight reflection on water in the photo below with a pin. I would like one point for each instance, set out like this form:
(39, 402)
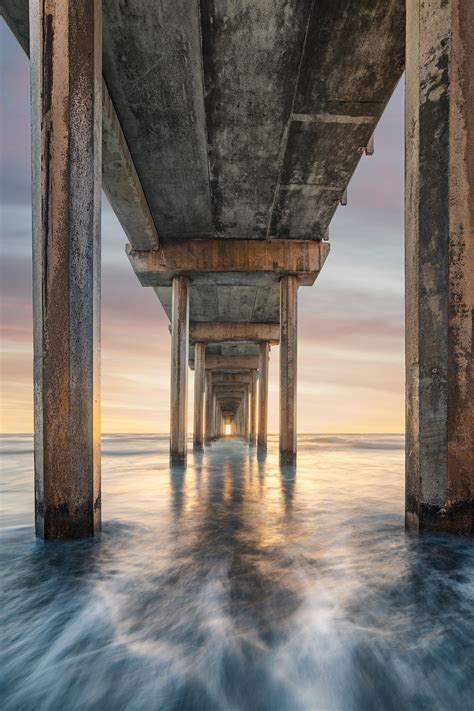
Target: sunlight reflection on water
(236, 585)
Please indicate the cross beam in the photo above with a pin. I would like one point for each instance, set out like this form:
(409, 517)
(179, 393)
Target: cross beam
(230, 261)
(208, 332)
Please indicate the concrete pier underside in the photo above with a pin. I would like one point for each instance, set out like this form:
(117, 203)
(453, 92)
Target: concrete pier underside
(230, 134)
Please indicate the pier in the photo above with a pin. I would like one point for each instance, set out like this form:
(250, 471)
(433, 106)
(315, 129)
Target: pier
(225, 138)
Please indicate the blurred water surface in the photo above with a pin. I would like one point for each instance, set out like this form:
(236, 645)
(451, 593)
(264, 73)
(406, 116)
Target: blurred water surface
(236, 585)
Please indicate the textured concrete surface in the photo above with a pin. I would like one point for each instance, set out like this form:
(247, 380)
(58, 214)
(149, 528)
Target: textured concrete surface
(231, 331)
(179, 370)
(288, 367)
(263, 358)
(199, 384)
(230, 262)
(66, 85)
(440, 265)
(236, 113)
(119, 175)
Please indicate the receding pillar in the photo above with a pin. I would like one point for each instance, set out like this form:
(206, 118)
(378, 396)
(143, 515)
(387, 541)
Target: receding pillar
(263, 394)
(253, 407)
(179, 369)
(213, 422)
(245, 413)
(208, 432)
(199, 374)
(66, 112)
(439, 265)
(239, 420)
(288, 364)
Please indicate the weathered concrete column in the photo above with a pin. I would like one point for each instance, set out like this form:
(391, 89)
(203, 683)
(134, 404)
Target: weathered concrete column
(199, 374)
(439, 264)
(66, 111)
(253, 407)
(263, 394)
(214, 417)
(246, 413)
(208, 432)
(179, 369)
(288, 365)
(239, 420)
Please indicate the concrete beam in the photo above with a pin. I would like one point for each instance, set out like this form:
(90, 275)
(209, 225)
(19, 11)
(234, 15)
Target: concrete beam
(208, 332)
(230, 261)
(231, 362)
(119, 175)
(439, 265)
(121, 182)
(218, 378)
(66, 87)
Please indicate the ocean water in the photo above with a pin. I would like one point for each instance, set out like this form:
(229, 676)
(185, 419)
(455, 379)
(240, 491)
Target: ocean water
(236, 585)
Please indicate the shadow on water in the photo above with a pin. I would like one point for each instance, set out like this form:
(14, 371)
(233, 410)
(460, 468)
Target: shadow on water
(239, 584)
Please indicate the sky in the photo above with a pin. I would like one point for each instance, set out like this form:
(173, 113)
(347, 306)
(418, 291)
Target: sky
(351, 322)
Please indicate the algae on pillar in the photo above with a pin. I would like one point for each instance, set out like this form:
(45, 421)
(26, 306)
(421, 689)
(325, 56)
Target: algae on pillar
(66, 111)
(439, 265)
(179, 369)
(288, 367)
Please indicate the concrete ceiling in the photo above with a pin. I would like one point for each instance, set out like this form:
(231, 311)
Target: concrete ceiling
(246, 119)
(243, 119)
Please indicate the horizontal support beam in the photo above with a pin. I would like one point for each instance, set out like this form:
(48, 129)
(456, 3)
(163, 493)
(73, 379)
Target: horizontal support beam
(231, 362)
(230, 261)
(230, 378)
(207, 332)
(121, 182)
(119, 176)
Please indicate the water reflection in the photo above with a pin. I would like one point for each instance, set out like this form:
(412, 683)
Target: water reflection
(237, 584)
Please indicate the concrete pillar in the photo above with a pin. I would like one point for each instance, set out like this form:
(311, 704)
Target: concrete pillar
(213, 417)
(439, 265)
(199, 374)
(66, 113)
(288, 363)
(208, 432)
(253, 407)
(179, 369)
(246, 413)
(263, 394)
